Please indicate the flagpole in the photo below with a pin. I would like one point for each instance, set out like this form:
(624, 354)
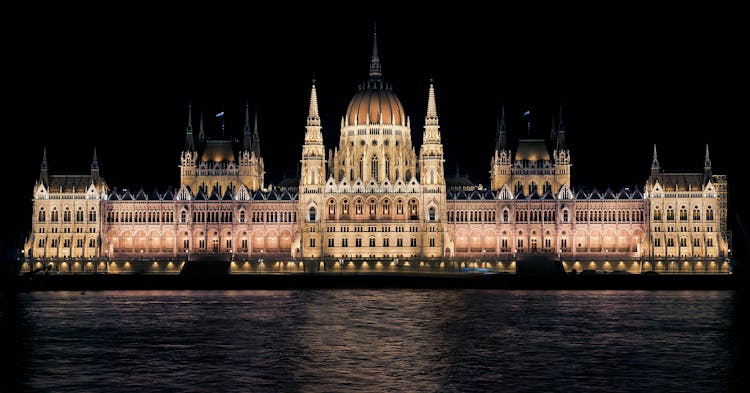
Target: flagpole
(527, 114)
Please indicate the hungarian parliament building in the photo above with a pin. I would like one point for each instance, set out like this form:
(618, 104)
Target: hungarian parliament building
(372, 203)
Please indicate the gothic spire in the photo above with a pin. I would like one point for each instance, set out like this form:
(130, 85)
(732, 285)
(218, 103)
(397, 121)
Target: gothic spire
(43, 174)
(432, 116)
(375, 68)
(313, 118)
(707, 159)
(94, 162)
(189, 146)
(501, 137)
(246, 136)
(561, 131)
(256, 137)
(201, 133)
(655, 160)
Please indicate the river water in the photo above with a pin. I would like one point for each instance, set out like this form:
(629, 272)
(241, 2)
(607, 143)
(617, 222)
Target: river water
(375, 341)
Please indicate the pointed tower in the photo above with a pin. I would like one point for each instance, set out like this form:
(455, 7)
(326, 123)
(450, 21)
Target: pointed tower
(311, 184)
(256, 137)
(189, 140)
(655, 168)
(94, 168)
(431, 152)
(189, 155)
(500, 171)
(251, 171)
(706, 167)
(43, 170)
(561, 155)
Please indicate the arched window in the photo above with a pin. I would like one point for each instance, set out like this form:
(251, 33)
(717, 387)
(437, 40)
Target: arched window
(183, 216)
(242, 216)
(657, 214)
(399, 207)
(361, 167)
(358, 207)
(374, 168)
(42, 215)
(345, 207)
(413, 209)
(66, 215)
(386, 207)
(372, 207)
(709, 214)
(565, 215)
(505, 215)
(696, 214)
(79, 214)
(92, 215)
(331, 209)
(683, 214)
(431, 214)
(670, 213)
(312, 214)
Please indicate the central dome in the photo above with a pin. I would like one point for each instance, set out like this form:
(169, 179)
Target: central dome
(378, 101)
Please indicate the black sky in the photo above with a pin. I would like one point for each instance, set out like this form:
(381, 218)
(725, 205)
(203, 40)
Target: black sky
(628, 78)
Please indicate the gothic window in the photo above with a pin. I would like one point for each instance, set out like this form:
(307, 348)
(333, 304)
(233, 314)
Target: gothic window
(565, 216)
(670, 214)
(312, 242)
(413, 209)
(683, 214)
(92, 215)
(344, 242)
(183, 216)
(683, 242)
(345, 207)
(413, 242)
(399, 207)
(361, 167)
(331, 209)
(312, 214)
(387, 167)
(657, 214)
(386, 242)
(358, 242)
(408, 172)
(657, 242)
(670, 242)
(372, 208)
(399, 242)
(696, 242)
(432, 242)
(696, 214)
(519, 243)
(358, 207)
(431, 214)
(79, 214)
(709, 214)
(42, 215)
(66, 215)
(330, 242)
(374, 168)
(386, 207)
(243, 217)
(505, 215)
(709, 242)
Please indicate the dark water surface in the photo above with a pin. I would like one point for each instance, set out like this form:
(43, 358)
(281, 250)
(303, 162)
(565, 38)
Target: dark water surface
(374, 341)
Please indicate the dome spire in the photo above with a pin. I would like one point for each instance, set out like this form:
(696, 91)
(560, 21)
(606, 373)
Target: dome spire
(201, 133)
(376, 70)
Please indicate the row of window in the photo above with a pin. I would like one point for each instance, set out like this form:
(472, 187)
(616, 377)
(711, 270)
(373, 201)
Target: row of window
(384, 210)
(670, 214)
(55, 242)
(471, 216)
(610, 215)
(386, 242)
(141, 216)
(683, 242)
(371, 228)
(55, 216)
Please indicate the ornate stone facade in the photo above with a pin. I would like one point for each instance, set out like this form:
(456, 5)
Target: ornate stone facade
(373, 203)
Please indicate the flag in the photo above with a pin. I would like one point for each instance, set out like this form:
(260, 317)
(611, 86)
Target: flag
(220, 114)
(527, 113)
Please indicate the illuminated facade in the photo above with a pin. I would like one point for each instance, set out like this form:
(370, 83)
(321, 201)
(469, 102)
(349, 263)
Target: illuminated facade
(372, 202)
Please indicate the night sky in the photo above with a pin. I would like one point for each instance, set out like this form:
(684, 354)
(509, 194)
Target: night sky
(628, 78)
